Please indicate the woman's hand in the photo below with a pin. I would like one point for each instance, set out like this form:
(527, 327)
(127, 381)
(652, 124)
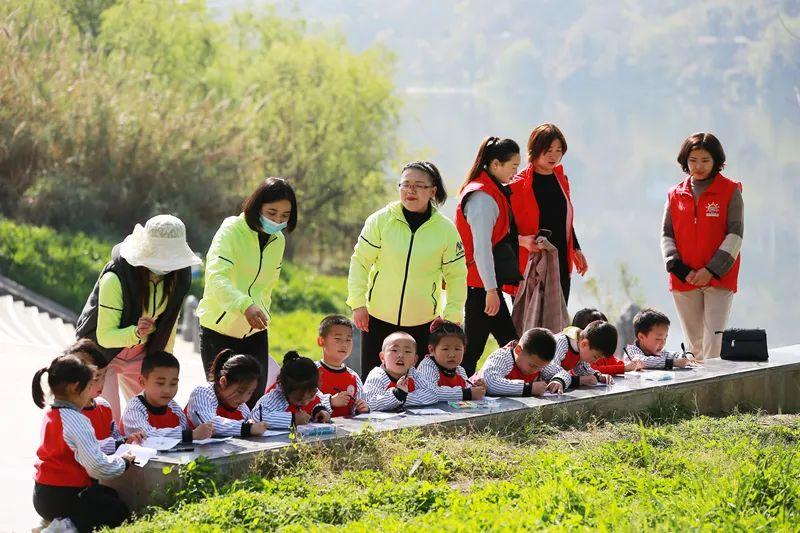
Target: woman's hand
(699, 278)
(256, 317)
(145, 326)
(361, 318)
(529, 242)
(581, 265)
(492, 302)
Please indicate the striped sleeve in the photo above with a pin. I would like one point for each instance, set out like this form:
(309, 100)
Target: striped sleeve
(421, 395)
(79, 436)
(202, 407)
(272, 408)
(427, 377)
(554, 372)
(494, 373)
(173, 405)
(379, 398)
(725, 256)
(650, 361)
(135, 418)
(584, 369)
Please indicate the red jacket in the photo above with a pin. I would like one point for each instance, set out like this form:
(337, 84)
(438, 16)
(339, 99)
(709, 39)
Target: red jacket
(609, 365)
(701, 228)
(526, 211)
(485, 184)
(55, 461)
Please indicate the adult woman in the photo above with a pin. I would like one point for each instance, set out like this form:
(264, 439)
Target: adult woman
(700, 239)
(541, 200)
(134, 306)
(402, 255)
(487, 229)
(242, 267)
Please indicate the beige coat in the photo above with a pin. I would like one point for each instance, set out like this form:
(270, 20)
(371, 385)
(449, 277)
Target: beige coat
(539, 301)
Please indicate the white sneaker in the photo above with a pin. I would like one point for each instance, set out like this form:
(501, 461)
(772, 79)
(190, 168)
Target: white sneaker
(61, 525)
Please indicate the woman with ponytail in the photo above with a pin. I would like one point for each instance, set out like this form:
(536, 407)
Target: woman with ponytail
(489, 233)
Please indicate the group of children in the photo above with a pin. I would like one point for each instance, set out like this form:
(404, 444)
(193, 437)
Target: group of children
(80, 435)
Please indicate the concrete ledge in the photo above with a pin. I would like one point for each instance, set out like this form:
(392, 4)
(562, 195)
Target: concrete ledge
(718, 387)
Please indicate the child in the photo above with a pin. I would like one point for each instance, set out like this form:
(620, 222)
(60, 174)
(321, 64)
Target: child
(391, 385)
(441, 371)
(69, 459)
(651, 328)
(221, 401)
(340, 384)
(577, 349)
(525, 367)
(154, 411)
(294, 399)
(607, 365)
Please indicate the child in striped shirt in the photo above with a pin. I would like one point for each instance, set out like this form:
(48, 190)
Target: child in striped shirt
(294, 399)
(154, 411)
(577, 349)
(233, 380)
(338, 382)
(441, 370)
(608, 364)
(525, 367)
(391, 385)
(652, 328)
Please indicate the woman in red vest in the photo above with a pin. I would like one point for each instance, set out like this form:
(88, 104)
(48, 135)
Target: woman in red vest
(487, 229)
(700, 239)
(541, 200)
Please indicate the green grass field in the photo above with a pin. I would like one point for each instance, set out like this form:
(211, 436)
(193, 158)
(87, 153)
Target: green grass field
(738, 473)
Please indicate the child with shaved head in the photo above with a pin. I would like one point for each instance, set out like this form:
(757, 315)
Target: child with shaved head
(391, 385)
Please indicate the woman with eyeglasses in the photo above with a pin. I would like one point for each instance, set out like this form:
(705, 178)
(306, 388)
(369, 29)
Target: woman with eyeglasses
(405, 256)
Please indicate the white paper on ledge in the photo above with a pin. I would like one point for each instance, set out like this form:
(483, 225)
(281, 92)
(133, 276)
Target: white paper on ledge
(160, 443)
(376, 415)
(427, 411)
(211, 440)
(141, 455)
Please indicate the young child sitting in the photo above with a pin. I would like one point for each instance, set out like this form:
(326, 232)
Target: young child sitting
(294, 399)
(525, 367)
(441, 370)
(391, 385)
(69, 459)
(651, 328)
(606, 365)
(154, 411)
(233, 379)
(338, 382)
(577, 349)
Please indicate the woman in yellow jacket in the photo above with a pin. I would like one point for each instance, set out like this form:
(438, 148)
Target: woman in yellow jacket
(405, 255)
(242, 267)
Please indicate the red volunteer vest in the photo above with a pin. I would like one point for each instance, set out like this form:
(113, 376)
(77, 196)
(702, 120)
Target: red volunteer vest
(700, 230)
(485, 184)
(101, 418)
(55, 461)
(334, 381)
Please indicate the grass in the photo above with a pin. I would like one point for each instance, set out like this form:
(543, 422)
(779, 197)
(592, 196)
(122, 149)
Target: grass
(681, 472)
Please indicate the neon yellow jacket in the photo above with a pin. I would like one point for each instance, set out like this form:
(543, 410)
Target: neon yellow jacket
(398, 275)
(238, 275)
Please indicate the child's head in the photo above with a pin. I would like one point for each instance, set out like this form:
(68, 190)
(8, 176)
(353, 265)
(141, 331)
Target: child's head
(271, 207)
(701, 155)
(399, 353)
(299, 378)
(336, 339)
(497, 157)
(91, 354)
(586, 316)
(546, 146)
(159, 378)
(235, 377)
(446, 343)
(535, 350)
(651, 328)
(596, 340)
(68, 379)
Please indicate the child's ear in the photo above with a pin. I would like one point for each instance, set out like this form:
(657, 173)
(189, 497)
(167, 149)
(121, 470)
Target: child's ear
(583, 344)
(320, 341)
(382, 357)
(430, 348)
(223, 382)
(517, 349)
(141, 381)
(640, 336)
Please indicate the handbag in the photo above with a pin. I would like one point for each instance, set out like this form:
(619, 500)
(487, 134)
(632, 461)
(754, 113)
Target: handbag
(744, 345)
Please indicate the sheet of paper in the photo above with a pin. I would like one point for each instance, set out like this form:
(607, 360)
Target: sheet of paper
(140, 454)
(376, 415)
(211, 440)
(490, 399)
(548, 394)
(160, 443)
(658, 375)
(274, 432)
(427, 411)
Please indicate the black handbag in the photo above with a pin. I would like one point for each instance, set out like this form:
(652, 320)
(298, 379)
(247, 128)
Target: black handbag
(744, 345)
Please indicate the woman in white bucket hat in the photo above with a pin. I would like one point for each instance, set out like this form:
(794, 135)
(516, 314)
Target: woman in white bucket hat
(134, 306)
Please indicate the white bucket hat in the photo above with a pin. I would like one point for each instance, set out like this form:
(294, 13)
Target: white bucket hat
(159, 245)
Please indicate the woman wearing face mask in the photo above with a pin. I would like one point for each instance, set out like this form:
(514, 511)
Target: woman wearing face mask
(401, 258)
(242, 267)
(489, 233)
(134, 306)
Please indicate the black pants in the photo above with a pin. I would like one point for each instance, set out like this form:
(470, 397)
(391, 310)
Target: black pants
(566, 283)
(89, 508)
(372, 341)
(257, 345)
(478, 325)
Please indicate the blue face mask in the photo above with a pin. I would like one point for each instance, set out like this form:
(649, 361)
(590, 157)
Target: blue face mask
(271, 227)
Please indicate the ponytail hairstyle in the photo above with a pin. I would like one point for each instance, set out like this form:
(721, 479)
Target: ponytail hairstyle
(490, 149)
(298, 373)
(63, 371)
(87, 351)
(444, 328)
(235, 368)
(436, 178)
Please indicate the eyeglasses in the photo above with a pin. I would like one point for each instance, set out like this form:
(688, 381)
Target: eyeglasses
(408, 186)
